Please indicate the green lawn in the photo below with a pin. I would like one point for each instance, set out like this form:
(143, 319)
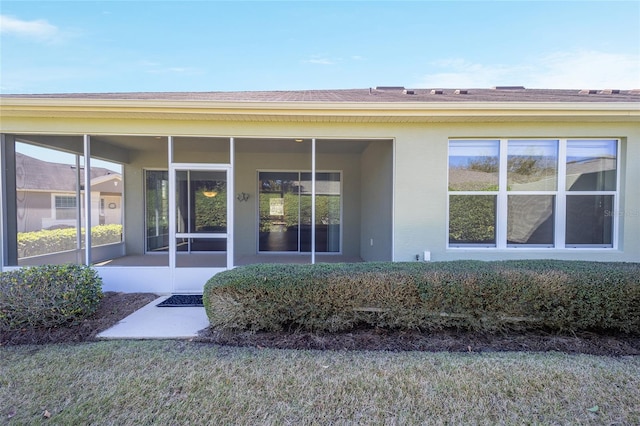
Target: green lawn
(169, 382)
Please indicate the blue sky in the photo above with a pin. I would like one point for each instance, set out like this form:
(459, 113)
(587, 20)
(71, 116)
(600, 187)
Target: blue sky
(124, 46)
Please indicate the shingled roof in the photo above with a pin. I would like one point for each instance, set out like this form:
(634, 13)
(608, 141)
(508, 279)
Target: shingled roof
(375, 95)
(34, 174)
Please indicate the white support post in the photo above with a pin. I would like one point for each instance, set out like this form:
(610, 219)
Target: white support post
(502, 201)
(79, 204)
(87, 199)
(172, 211)
(230, 202)
(313, 201)
(3, 211)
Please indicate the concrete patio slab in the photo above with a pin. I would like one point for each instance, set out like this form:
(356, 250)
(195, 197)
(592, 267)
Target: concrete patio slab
(152, 322)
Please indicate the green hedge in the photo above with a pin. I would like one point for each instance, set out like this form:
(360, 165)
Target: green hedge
(56, 240)
(48, 296)
(490, 296)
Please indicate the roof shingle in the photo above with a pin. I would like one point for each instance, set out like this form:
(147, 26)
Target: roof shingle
(374, 95)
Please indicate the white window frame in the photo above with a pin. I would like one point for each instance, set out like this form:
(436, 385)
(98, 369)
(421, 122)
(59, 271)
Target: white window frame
(560, 203)
(54, 207)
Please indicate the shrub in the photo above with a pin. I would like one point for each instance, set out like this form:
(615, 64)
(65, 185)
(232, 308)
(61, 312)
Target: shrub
(47, 241)
(48, 296)
(501, 295)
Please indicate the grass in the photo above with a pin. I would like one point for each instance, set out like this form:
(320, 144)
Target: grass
(169, 382)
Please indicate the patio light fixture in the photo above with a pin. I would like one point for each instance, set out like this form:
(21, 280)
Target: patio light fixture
(209, 194)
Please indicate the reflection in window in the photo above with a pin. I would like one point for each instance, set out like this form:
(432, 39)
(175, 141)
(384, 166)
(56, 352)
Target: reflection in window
(472, 219)
(473, 165)
(591, 165)
(532, 165)
(157, 210)
(530, 220)
(589, 220)
(528, 194)
(285, 211)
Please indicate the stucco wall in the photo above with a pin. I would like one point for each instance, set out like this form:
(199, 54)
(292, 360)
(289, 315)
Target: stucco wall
(134, 194)
(421, 189)
(420, 174)
(376, 218)
(246, 168)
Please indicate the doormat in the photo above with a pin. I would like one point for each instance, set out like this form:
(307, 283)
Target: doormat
(182, 301)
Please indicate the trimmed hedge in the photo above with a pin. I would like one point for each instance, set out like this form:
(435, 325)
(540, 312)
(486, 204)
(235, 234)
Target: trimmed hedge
(37, 243)
(476, 295)
(48, 296)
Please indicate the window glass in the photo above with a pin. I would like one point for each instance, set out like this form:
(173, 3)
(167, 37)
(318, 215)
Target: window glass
(157, 210)
(66, 207)
(279, 226)
(473, 165)
(285, 211)
(532, 165)
(472, 219)
(530, 220)
(589, 220)
(327, 212)
(525, 211)
(591, 165)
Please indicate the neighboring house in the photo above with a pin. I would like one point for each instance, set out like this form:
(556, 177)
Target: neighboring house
(219, 179)
(46, 194)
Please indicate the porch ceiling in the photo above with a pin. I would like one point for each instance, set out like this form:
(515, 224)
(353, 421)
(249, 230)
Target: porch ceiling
(243, 145)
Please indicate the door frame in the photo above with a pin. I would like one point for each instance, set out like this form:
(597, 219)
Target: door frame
(173, 234)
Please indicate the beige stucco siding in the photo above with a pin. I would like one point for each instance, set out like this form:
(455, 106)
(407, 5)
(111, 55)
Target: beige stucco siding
(376, 217)
(247, 166)
(420, 175)
(421, 188)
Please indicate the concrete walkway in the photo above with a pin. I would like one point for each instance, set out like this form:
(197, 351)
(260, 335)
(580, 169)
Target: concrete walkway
(152, 322)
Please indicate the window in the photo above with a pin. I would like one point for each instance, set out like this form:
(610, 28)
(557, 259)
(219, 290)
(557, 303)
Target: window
(65, 207)
(529, 193)
(157, 210)
(285, 212)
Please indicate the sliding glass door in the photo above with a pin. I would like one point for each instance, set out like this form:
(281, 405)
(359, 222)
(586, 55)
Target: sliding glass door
(285, 211)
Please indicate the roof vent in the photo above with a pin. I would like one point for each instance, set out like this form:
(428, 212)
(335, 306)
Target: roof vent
(588, 92)
(389, 87)
(460, 92)
(508, 87)
(437, 92)
(409, 92)
(610, 92)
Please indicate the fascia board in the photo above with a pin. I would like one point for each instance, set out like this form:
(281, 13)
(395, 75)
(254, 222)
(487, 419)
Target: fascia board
(110, 108)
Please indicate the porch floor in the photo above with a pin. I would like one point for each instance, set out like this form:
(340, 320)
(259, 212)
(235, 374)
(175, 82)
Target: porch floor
(218, 260)
(152, 322)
